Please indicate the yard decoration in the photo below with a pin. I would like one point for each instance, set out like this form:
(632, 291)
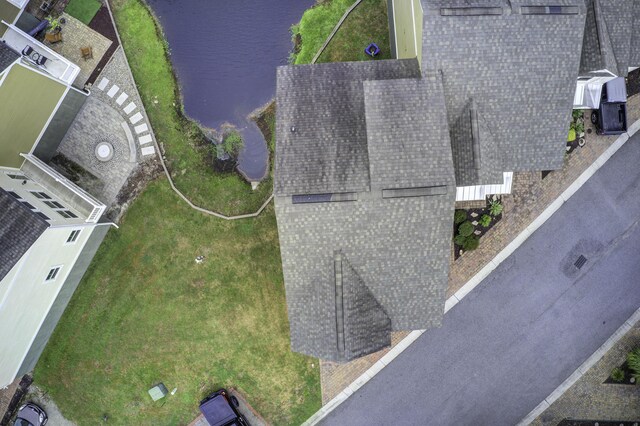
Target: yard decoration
(372, 50)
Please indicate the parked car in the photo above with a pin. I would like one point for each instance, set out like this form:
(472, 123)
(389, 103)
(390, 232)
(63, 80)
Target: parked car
(220, 409)
(611, 117)
(31, 415)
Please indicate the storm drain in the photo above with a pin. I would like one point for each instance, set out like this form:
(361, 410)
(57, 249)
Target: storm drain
(580, 262)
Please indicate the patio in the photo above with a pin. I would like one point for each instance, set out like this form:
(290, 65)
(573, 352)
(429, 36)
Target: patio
(75, 36)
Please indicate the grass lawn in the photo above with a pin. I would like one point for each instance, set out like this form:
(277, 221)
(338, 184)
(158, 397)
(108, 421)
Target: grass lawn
(367, 23)
(145, 313)
(83, 10)
(183, 141)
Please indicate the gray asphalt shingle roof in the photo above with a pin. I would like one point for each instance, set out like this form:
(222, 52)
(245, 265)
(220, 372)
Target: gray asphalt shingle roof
(394, 251)
(7, 56)
(515, 67)
(608, 34)
(19, 229)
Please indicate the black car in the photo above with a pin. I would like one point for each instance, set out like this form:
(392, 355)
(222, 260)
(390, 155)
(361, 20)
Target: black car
(31, 415)
(220, 409)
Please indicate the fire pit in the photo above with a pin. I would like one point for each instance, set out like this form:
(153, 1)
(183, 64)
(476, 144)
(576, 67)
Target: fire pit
(104, 151)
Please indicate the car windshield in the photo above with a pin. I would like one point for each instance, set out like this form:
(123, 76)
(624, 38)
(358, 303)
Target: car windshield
(22, 422)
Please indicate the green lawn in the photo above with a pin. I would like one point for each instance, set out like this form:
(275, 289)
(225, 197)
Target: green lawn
(367, 23)
(183, 141)
(83, 10)
(145, 313)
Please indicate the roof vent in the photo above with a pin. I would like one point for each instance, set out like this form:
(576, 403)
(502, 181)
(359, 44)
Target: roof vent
(470, 11)
(549, 10)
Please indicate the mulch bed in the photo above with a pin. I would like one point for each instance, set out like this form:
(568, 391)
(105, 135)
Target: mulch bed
(21, 391)
(102, 23)
(628, 376)
(567, 422)
(483, 230)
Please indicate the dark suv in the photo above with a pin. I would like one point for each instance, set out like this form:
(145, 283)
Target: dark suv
(611, 117)
(220, 409)
(31, 415)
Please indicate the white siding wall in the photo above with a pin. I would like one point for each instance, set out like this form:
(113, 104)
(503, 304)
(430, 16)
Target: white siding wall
(25, 297)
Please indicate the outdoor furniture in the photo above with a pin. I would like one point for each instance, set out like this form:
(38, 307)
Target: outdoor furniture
(87, 53)
(53, 37)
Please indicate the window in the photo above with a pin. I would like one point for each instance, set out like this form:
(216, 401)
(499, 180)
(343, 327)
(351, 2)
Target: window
(67, 214)
(549, 10)
(42, 215)
(53, 273)
(17, 176)
(28, 205)
(14, 195)
(54, 204)
(73, 236)
(41, 195)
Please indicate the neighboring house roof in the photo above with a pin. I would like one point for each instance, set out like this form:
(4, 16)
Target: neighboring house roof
(19, 229)
(7, 56)
(516, 69)
(634, 58)
(365, 241)
(608, 34)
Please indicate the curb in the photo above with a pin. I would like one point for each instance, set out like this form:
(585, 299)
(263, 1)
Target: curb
(582, 370)
(480, 276)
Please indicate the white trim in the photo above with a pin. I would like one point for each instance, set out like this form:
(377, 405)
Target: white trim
(582, 370)
(395, 26)
(413, 22)
(476, 279)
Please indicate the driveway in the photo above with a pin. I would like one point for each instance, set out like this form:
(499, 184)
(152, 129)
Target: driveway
(527, 326)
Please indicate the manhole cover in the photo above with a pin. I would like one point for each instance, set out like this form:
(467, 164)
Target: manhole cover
(104, 151)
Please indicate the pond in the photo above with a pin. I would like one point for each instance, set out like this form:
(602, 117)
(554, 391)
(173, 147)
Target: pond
(225, 54)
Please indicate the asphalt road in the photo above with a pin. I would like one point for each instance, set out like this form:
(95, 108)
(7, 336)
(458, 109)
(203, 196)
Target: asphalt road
(516, 337)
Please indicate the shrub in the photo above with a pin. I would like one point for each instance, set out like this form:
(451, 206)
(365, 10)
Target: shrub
(471, 243)
(232, 143)
(572, 135)
(617, 375)
(459, 240)
(485, 220)
(465, 229)
(633, 361)
(495, 208)
(459, 216)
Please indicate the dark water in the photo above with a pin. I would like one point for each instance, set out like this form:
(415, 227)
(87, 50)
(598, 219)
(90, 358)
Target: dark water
(225, 53)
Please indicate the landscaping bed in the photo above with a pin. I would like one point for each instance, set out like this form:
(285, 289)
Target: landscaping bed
(146, 312)
(471, 224)
(182, 140)
(83, 10)
(366, 24)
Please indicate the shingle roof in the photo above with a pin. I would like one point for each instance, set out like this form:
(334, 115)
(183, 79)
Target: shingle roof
(388, 257)
(327, 152)
(19, 229)
(634, 57)
(7, 56)
(518, 69)
(607, 38)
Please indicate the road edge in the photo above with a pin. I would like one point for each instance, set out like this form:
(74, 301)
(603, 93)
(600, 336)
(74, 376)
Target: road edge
(480, 276)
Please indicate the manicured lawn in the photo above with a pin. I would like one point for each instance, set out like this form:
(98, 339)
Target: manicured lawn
(185, 148)
(367, 23)
(83, 10)
(145, 313)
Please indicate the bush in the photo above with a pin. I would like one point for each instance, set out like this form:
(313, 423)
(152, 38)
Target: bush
(633, 361)
(617, 375)
(465, 229)
(232, 143)
(495, 208)
(485, 220)
(471, 243)
(459, 216)
(459, 240)
(572, 135)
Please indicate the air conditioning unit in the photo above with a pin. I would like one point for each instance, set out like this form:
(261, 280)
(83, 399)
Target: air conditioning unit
(45, 6)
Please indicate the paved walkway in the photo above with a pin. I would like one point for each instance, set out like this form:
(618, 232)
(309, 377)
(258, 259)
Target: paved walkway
(529, 325)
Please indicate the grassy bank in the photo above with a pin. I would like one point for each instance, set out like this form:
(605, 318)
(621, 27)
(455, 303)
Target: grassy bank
(145, 313)
(367, 23)
(186, 149)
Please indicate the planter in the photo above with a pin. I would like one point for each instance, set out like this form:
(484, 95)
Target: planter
(628, 377)
(474, 215)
